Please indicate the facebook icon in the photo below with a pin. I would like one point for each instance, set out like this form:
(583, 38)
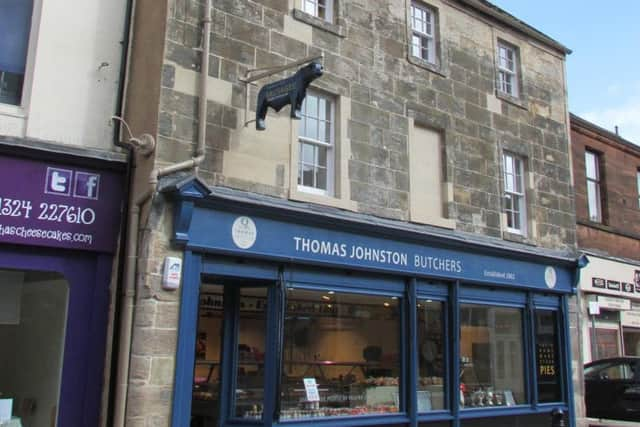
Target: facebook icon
(58, 181)
(87, 185)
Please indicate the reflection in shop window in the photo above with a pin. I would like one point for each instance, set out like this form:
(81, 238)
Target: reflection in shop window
(348, 346)
(431, 360)
(491, 353)
(33, 314)
(547, 356)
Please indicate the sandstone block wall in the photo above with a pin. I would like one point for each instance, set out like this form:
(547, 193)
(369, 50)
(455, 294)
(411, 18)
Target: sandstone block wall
(381, 93)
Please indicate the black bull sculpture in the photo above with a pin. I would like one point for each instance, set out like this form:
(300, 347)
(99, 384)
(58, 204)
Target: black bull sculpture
(291, 90)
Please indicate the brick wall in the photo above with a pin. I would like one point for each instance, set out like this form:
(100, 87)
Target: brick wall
(619, 233)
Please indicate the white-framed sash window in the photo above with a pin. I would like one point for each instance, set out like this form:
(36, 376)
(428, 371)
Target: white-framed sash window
(423, 32)
(322, 9)
(316, 139)
(514, 195)
(508, 69)
(594, 196)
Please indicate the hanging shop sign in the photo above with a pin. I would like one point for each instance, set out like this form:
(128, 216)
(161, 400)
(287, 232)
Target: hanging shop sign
(56, 205)
(289, 91)
(265, 237)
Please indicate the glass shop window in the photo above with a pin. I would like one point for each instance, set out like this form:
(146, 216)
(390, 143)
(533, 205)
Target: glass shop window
(15, 26)
(206, 378)
(547, 356)
(492, 357)
(33, 317)
(431, 356)
(605, 338)
(341, 355)
(249, 395)
(631, 341)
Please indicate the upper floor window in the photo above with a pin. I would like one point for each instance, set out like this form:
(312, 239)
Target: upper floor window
(514, 195)
(508, 69)
(15, 26)
(592, 172)
(638, 185)
(423, 32)
(316, 137)
(322, 9)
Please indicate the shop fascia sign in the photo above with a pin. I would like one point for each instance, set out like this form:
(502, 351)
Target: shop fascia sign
(613, 278)
(613, 303)
(267, 237)
(57, 205)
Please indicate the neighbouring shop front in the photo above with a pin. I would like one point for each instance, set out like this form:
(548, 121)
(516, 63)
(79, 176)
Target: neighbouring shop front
(611, 308)
(299, 315)
(59, 225)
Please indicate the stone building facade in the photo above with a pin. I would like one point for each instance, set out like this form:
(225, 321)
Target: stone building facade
(417, 138)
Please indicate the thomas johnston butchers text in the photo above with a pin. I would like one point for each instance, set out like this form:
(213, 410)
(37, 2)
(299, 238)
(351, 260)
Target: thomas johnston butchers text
(375, 255)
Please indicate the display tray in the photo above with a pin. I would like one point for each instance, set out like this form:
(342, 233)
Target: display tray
(381, 395)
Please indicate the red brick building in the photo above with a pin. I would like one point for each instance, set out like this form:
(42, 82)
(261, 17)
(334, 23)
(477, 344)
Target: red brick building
(606, 177)
(612, 225)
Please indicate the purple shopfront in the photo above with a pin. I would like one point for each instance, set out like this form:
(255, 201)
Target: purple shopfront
(59, 227)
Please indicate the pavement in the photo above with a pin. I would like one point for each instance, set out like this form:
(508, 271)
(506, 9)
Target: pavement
(595, 422)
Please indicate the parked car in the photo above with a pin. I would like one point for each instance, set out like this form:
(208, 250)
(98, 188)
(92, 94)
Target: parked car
(612, 388)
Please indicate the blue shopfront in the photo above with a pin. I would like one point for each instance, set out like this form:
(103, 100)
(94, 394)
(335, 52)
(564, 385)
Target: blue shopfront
(297, 315)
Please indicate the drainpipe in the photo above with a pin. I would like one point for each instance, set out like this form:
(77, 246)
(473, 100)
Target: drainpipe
(144, 146)
(128, 296)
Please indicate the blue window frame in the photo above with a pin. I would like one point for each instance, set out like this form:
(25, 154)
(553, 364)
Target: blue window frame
(409, 293)
(431, 379)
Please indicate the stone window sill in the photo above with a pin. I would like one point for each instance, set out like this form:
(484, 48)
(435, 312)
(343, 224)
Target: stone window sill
(597, 225)
(518, 102)
(447, 223)
(518, 238)
(303, 196)
(329, 27)
(434, 68)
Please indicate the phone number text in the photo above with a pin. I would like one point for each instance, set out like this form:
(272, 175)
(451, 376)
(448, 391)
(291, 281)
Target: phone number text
(52, 212)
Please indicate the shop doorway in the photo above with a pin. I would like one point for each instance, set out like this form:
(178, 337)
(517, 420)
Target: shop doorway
(33, 314)
(631, 341)
(61, 337)
(605, 340)
(229, 368)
